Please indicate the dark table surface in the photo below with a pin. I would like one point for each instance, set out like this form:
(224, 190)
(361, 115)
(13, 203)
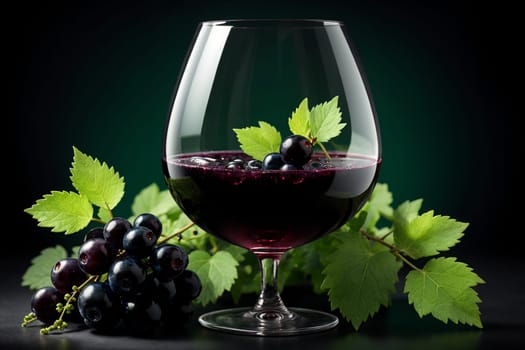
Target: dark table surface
(398, 327)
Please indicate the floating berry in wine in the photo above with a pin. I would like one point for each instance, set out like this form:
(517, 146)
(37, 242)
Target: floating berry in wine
(296, 150)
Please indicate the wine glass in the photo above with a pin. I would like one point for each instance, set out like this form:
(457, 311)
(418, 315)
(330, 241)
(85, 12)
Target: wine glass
(237, 74)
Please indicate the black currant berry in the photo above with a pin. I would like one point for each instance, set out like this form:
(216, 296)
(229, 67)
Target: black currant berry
(254, 165)
(188, 285)
(168, 261)
(139, 241)
(97, 232)
(290, 167)
(296, 150)
(234, 165)
(150, 221)
(95, 256)
(165, 293)
(114, 231)
(126, 275)
(43, 304)
(67, 273)
(99, 306)
(272, 161)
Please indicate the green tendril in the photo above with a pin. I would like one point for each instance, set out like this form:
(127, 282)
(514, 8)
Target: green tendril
(30, 317)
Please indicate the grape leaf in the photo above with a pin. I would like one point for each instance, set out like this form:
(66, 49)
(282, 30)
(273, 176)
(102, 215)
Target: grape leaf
(312, 257)
(152, 200)
(236, 251)
(355, 224)
(259, 141)
(443, 288)
(360, 276)
(63, 211)
(299, 122)
(290, 273)
(38, 274)
(101, 184)
(379, 204)
(248, 279)
(427, 235)
(406, 211)
(193, 238)
(104, 214)
(325, 120)
(217, 273)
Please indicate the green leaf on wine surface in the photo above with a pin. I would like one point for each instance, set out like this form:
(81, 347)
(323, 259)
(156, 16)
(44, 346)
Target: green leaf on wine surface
(427, 235)
(299, 122)
(258, 141)
(101, 184)
(360, 276)
(379, 204)
(62, 211)
(38, 274)
(152, 200)
(325, 120)
(443, 288)
(217, 273)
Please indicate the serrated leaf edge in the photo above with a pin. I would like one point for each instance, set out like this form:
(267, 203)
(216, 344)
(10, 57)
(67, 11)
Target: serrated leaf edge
(104, 166)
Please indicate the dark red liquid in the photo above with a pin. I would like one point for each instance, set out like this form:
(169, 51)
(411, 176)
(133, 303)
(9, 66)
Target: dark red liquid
(270, 211)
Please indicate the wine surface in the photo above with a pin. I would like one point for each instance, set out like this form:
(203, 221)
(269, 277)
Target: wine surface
(269, 211)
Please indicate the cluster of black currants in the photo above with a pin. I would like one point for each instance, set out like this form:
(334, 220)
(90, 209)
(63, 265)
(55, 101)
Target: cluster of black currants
(294, 152)
(124, 278)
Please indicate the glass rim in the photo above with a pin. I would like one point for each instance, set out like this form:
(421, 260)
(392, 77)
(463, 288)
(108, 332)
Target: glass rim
(266, 22)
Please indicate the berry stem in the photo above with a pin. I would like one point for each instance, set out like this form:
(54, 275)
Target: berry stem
(386, 235)
(98, 221)
(214, 246)
(109, 210)
(378, 240)
(324, 150)
(406, 261)
(177, 233)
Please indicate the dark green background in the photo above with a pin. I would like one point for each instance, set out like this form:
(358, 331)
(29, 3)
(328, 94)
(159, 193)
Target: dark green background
(100, 75)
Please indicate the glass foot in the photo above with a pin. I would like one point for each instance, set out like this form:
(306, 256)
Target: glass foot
(246, 321)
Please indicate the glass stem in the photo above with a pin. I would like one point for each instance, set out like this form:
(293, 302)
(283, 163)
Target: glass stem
(270, 306)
